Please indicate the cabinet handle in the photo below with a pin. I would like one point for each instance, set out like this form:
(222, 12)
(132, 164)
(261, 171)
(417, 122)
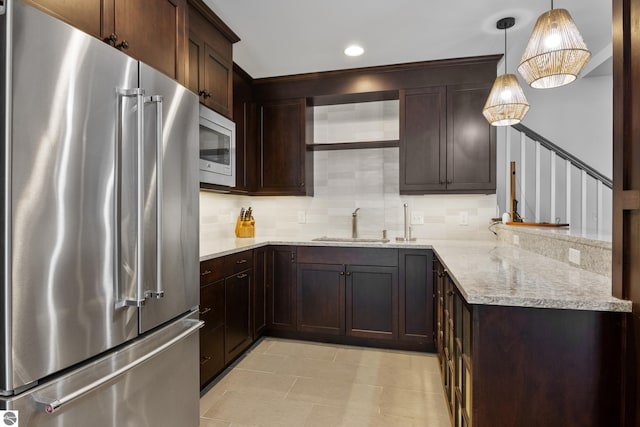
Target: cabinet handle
(205, 94)
(348, 273)
(124, 45)
(204, 360)
(441, 182)
(204, 311)
(241, 276)
(293, 257)
(241, 261)
(451, 293)
(302, 184)
(449, 181)
(204, 273)
(112, 39)
(342, 273)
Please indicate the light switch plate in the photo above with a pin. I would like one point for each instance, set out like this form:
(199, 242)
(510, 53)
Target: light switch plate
(574, 256)
(516, 239)
(417, 217)
(464, 218)
(302, 217)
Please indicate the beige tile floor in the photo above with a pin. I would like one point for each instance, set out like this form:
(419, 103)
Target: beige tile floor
(297, 383)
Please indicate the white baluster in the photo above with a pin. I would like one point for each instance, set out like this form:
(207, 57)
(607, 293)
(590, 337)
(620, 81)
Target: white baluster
(537, 181)
(507, 171)
(568, 170)
(523, 179)
(552, 214)
(584, 202)
(600, 206)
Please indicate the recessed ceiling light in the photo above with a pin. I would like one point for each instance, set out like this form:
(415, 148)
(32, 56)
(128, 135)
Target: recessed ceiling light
(354, 50)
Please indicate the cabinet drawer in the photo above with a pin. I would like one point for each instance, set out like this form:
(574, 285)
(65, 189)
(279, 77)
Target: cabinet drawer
(211, 354)
(212, 305)
(355, 256)
(211, 270)
(236, 263)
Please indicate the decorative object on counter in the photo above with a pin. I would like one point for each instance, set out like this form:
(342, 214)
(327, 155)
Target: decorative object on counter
(515, 217)
(555, 53)
(506, 104)
(246, 224)
(407, 229)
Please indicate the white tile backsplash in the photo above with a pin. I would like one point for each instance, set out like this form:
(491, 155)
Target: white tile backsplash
(345, 180)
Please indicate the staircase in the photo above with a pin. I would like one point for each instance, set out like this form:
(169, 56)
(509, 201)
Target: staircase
(552, 185)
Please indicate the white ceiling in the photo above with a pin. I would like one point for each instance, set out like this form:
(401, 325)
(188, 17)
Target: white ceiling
(283, 37)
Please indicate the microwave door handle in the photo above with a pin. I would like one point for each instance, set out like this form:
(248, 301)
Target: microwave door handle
(138, 301)
(159, 292)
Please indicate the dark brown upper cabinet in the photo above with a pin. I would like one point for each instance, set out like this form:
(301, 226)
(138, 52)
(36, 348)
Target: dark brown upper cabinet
(446, 145)
(285, 167)
(423, 132)
(210, 59)
(153, 31)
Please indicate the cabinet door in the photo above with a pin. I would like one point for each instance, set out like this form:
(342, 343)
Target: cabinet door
(85, 15)
(196, 63)
(155, 32)
(321, 297)
(282, 295)
(238, 332)
(211, 354)
(245, 118)
(471, 141)
(260, 286)
(372, 302)
(282, 148)
(212, 303)
(416, 297)
(423, 140)
(218, 81)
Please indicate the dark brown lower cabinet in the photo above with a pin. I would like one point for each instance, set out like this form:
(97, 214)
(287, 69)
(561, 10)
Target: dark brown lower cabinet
(212, 313)
(521, 366)
(238, 330)
(372, 302)
(321, 298)
(260, 290)
(416, 296)
(282, 292)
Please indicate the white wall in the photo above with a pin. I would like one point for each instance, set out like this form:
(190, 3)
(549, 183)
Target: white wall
(577, 117)
(344, 180)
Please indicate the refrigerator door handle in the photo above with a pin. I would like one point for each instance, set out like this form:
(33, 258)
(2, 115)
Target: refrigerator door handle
(139, 300)
(159, 292)
(49, 406)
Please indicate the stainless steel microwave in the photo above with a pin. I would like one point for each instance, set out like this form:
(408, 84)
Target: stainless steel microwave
(217, 148)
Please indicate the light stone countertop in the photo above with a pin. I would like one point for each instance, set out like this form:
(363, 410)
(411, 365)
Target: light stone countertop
(485, 272)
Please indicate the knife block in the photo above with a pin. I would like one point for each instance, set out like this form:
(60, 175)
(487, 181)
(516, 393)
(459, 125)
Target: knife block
(246, 228)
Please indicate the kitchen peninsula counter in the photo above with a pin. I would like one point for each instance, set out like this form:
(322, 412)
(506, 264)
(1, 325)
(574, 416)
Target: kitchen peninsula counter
(485, 272)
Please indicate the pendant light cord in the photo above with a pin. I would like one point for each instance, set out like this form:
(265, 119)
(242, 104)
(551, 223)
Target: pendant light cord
(505, 51)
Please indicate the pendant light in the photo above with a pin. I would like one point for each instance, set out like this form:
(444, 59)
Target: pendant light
(556, 52)
(506, 104)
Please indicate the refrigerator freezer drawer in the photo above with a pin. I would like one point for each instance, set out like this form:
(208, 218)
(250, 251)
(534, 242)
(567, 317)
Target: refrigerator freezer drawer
(152, 382)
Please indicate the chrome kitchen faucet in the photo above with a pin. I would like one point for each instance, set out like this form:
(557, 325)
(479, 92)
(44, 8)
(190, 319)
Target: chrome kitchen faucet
(354, 224)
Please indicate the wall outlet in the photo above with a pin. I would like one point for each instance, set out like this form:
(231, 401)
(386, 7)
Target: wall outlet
(464, 218)
(302, 217)
(574, 256)
(516, 240)
(417, 217)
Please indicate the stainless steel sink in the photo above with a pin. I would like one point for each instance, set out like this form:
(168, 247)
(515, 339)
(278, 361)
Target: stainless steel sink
(349, 240)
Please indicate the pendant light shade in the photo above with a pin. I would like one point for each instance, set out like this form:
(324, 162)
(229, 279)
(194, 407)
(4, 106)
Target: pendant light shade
(506, 104)
(555, 53)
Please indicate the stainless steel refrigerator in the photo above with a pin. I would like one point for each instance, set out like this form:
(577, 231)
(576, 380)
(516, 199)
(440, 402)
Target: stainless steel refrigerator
(99, 224)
